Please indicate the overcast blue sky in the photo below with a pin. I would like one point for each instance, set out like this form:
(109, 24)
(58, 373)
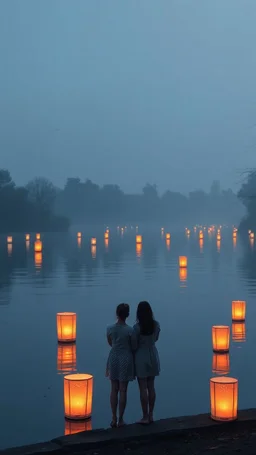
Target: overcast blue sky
(128, 91)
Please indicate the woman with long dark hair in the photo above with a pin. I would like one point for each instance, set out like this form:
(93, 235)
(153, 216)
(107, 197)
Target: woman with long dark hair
(147, 364)
(120, 364)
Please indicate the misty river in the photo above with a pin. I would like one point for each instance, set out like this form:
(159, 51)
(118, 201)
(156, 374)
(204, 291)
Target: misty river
(70, 275)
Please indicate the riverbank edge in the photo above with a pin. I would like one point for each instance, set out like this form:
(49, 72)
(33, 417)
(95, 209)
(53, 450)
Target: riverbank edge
(164, 428)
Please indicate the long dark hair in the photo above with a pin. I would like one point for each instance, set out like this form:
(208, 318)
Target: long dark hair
(145, 318)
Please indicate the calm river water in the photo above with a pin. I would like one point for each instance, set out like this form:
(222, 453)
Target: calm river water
(71, 277)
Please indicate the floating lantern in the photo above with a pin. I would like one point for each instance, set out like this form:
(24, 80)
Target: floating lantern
(93, 241)
(218, 237)
(138, 238)
(38, 236)
(201, 235)
(27, 237)
(79, 235)
(66, 357)
(238, 332)
(252, 235)
(77, 426)
(168, 236)
(38, 260)
(224, 398)
(106, 235)
(78, 392)
(66, 327)
(220, 363)
(9, 239)
(234, 234)
(220, 338)
(238, 310)
(93, 251)
(38, 246)
(168, 243)
(138, 249)
(183, 261)
(183, 274)
(188, 232)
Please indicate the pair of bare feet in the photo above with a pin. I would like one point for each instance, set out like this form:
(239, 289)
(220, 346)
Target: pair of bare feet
(117, 423)
(146, 420)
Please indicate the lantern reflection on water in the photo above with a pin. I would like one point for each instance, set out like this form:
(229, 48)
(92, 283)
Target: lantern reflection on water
(238, 310)
(201, 245)
(168, 243)
(238, 332)
(183, 274)
(234, 242)
(66, 327)
(138, 249)
(66, 357)
(220, 363)
(9, 249)
(218, 245)
(183, 261)
(220, 338)
(224, 398)
(93, 251)
(138, 238)
(38, 260)
(106, 243)
(78, 392)
(38, 246)
(79, 242)
(77, 426)
(38, 236)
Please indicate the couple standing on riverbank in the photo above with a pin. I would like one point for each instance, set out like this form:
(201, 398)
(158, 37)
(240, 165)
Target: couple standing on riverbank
(133, 354)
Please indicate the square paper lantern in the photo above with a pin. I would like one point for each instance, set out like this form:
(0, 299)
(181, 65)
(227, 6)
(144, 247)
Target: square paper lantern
(138, 238)
(252, 235)
(220, 363)
(38, 236)
(93, 241)
(224, 398)
(238, 310)
(66, 357)
(183, 261)
(77, 426)
(218, 237)
(79, 235)
(27, 237)
(201, 235)
(9, 239)
(38, 246)
(106, 235)
(66, 327)
(78, 392)
(168, 236)
(238, 332)
(220, 338)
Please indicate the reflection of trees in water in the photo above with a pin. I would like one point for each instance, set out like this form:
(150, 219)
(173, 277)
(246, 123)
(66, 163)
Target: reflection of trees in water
(247, 265)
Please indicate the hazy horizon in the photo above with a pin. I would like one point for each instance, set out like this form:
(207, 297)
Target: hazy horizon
(128, 92)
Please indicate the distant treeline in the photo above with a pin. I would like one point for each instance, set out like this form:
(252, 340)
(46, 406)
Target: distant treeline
(247, 195)
(29, 208)
(87, 202)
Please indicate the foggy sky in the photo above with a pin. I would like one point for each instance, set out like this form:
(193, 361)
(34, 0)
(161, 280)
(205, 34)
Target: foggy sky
(128, 91)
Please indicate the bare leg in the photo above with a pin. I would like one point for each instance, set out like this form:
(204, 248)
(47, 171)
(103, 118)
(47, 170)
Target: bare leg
(114, 401)
(151, 397)
(122, 401)
(143, 399)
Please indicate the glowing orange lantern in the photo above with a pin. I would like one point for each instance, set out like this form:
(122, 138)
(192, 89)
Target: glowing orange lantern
(38, 246)
(238, 332)
(106, 235)
(183, 273)
(38, 236)
(220, 363)
(224, 398)
(234, 234)
(252, 235)
(77, 426)
(168, 236)
(27, 237)
(9, 239)
(220, 338)
(38, 260)
(218, 237)
(66, 357)
(138, 238)
(78, 392)
(238, 310)
(79, 235)
(183, 261)
(66, 327)
(201, 235)
(93, 241)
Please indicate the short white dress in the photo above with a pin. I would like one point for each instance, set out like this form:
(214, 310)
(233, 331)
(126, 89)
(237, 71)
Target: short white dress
(147, 362)
(120, 363)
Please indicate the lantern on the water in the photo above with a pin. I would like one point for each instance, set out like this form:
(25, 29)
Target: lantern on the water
(38, 246)
(238, 332)
(79, 235)
(168, 236)
(27, 237)
(234, 234)
(78, 392)
(238, 310)
(218, 237)
(106, 235)
(66, 357)
(138, 238)
(66, 327)
(38, 236)
(188, 232)
(224, 398)
(183, 261)
(77, 426)
(93, 241)
(252, 235)
(201, 235)
(220, 338)
(9, 239)
(220, 363)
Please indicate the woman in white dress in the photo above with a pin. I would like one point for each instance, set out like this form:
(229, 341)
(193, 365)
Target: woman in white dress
(120, 364)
